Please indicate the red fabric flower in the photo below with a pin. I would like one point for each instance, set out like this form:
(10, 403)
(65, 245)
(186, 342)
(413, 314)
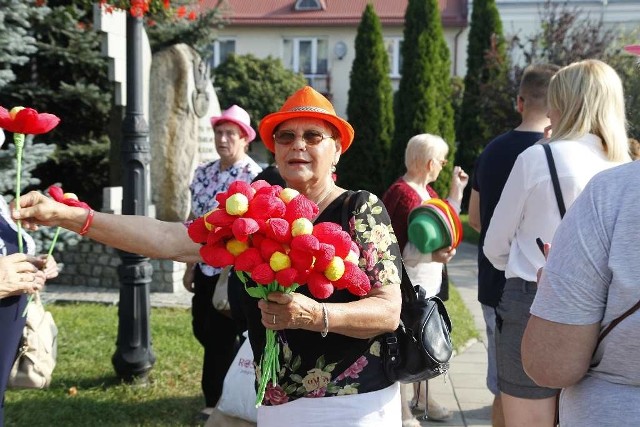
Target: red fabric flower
(353, 277)
(259, 184)
(324, 255)
(248, 260)
(268, 247)
(216, 256)
(300, 207)
(264, 206)
(27, 121)
(68, 199)
(220, 218)
(319, 286)
(287, 277)
(306, 243)
(197, 231)
(300, 260)
(243, 227)
(263, 274)
(279, 230)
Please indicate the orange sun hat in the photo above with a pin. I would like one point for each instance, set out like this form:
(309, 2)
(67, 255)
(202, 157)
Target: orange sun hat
(306, 102)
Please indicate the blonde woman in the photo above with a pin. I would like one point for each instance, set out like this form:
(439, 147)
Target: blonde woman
(586, 110)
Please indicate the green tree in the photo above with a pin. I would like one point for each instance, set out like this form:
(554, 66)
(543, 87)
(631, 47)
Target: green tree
(370, 110)
(568, 34)
(423, 101)
(15, 42)
(487, 69)
(67, 76)
(260, 86)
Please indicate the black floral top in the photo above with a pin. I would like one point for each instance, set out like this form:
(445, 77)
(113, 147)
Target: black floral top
(312, 366)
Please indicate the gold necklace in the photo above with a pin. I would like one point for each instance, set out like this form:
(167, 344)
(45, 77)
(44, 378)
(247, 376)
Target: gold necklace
(325, 195)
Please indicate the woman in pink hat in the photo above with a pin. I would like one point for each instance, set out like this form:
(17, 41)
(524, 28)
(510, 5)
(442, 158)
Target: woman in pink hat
(217, 332)
(425, 156)
(331, 367)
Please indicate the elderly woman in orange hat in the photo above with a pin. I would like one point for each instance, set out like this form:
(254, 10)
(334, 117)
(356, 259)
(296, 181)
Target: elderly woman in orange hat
(331, 371)
(216, 331)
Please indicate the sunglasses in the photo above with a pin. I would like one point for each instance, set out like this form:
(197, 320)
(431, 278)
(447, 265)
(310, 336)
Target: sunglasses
(310, 137)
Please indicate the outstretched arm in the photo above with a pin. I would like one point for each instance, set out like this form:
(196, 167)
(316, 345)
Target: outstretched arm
(131, 233)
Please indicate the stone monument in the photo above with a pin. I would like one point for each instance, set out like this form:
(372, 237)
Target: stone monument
(182, 100)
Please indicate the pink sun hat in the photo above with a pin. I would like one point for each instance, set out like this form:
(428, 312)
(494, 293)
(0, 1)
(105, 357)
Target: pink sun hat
(238, 116)
(633, 48)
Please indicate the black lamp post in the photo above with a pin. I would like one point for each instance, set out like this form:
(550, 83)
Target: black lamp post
(134, 356)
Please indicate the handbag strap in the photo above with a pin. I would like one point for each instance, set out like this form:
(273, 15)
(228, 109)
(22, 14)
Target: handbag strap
(616, 321)
(610, 327)
(554, 179)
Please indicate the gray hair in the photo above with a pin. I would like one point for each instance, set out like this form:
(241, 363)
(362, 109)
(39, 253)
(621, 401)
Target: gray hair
(421, 148)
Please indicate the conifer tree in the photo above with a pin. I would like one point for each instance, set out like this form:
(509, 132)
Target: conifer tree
(67, 76)
(15, 42)
(487, 76)
(423, 101)
(370, 110)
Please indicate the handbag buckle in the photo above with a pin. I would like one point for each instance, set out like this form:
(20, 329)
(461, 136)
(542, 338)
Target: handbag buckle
(392, 345)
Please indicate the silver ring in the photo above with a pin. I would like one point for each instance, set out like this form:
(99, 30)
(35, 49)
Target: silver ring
(274, 319)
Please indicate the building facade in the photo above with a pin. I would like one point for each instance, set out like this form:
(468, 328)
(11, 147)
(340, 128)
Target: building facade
(316, 37)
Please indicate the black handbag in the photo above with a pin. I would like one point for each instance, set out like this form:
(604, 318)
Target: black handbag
(420, 348)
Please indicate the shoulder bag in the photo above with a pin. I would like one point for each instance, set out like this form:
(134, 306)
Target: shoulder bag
(37, 353)
(421, 347)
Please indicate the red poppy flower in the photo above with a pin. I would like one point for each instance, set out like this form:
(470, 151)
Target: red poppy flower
(68, 199)
(27, 121)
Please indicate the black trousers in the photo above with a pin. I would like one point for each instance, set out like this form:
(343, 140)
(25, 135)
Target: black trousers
(217, 334)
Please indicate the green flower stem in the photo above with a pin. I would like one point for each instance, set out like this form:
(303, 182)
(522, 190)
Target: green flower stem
(53, 242)
(18, 139)
(53, 245)
(270, 361)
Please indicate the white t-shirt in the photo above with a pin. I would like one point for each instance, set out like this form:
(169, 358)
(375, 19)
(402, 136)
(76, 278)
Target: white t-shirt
(592, 277)
(528, 209)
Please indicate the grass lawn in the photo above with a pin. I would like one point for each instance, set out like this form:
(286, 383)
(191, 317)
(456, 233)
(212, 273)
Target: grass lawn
(462, 322)
(86, 342)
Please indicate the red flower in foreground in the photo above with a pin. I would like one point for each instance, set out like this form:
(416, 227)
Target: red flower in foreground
(68, 199)
(27, 121)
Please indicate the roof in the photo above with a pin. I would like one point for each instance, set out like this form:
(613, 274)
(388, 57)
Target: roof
(333, 13)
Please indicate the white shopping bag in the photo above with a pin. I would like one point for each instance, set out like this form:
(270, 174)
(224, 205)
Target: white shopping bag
(238, 390)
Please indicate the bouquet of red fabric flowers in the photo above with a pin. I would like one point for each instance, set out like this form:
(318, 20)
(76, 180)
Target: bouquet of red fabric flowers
(266, 232)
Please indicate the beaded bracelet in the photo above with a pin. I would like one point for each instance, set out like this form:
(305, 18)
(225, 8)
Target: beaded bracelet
(325, 321)
(87, 223)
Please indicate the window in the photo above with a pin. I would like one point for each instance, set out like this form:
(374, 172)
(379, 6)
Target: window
(394, 51)
(308, 5)
(308, 56)
(222, 48)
